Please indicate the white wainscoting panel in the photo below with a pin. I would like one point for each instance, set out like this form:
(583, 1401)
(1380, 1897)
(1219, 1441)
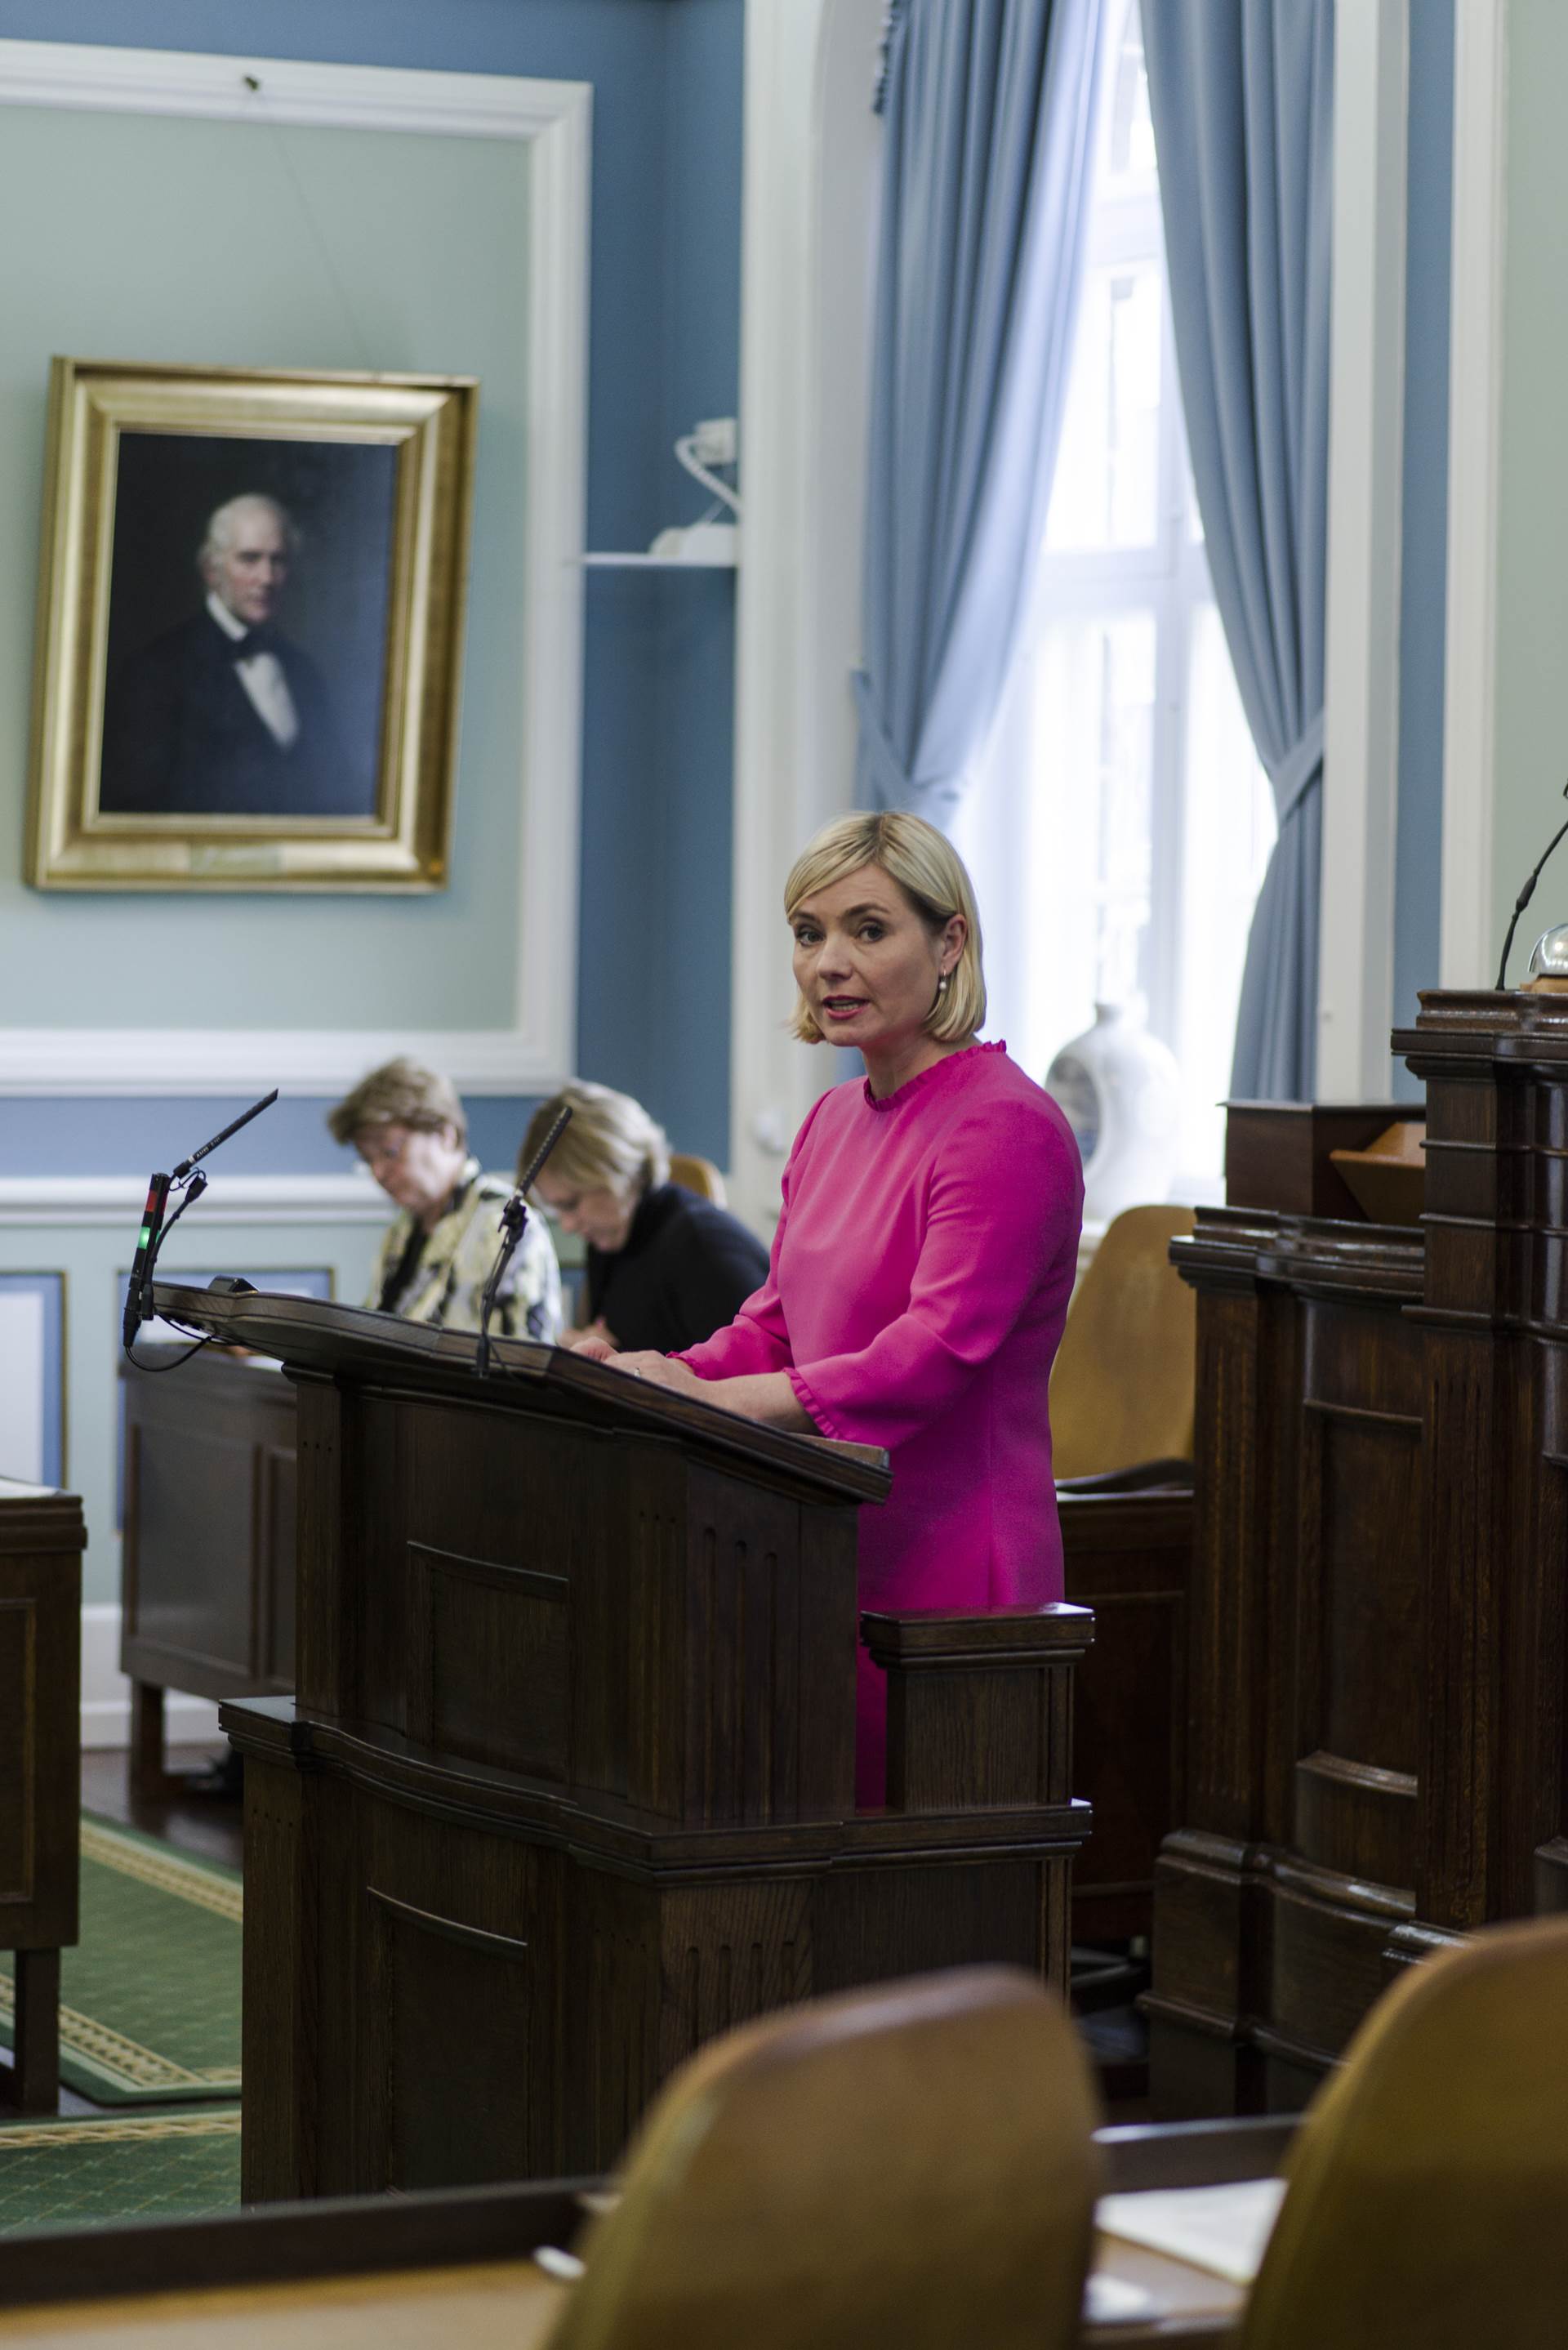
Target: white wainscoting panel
(22, 1359)
(536, 1040)
(106, 1692)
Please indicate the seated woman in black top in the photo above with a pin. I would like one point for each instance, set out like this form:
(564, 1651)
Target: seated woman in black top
(665, 1268)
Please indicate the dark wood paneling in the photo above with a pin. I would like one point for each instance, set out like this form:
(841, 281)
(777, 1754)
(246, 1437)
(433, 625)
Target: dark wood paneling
(207, 1562)
(1277, 1154)
(18, 1752)
(1380, 1617)
(41, 1542)
(487, 1661)
(1128, 1557)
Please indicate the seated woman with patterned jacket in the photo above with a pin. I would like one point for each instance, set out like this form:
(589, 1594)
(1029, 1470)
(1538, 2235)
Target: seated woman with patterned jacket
(407, 1123)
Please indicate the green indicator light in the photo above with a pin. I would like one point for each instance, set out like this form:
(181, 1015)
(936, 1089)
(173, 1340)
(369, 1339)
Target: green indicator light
(146, 1235)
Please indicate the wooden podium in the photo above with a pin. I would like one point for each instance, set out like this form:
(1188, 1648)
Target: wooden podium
(568, 1784)
(1379, 1615)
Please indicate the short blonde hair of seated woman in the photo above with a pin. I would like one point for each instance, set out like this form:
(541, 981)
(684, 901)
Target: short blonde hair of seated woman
(400, 1093)
(611, 1142)
(930, 871)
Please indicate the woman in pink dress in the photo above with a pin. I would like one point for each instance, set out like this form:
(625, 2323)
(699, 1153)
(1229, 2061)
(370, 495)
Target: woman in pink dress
(926, 1250)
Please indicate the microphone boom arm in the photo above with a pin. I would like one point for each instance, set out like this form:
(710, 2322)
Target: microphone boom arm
(513, 1222)
(1524, 897)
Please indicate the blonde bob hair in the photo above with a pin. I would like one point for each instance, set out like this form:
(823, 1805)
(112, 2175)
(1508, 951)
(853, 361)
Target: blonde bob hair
(611, 1141)
(930, 871)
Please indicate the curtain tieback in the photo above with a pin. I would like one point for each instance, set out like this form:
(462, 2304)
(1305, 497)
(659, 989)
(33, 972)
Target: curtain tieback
(880, 766)
(1297, 769)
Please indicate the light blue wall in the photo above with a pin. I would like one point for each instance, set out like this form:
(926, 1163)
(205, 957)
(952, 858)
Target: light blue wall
(1418, 874)
(664, 328)
(78, 1134)
(151, 275)
(656, 866)
(656, 860)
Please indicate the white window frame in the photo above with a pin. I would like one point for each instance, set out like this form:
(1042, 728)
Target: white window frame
(809, 201)
(1169, 578)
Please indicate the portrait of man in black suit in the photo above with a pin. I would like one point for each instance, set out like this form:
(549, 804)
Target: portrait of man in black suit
(253, 600)
(222, 714)
(246, 666)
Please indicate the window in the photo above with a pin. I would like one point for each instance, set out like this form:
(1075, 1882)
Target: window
(1121, 823)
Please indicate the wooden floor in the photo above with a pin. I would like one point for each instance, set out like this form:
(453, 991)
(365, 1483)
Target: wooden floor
(207, 1825)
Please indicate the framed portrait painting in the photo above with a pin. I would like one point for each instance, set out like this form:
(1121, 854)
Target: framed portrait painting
(250, 629)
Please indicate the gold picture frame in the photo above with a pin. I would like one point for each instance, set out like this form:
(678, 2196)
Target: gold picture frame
(184, 738)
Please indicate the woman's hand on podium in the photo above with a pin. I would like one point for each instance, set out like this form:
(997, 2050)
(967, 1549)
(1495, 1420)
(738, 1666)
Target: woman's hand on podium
(658, 1370)
(596, 1342)
(767, 1398)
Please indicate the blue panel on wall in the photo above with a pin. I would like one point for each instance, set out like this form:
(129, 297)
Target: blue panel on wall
(1423, 591)
(47, 1371)
(654, 992)
(132, 1135)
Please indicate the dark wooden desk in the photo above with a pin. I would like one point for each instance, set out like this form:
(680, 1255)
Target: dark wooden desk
(330, 2276)
(1379, 1638)
(207, 1562)
(1129, 1557)
(567, 1787)
(41, 1542)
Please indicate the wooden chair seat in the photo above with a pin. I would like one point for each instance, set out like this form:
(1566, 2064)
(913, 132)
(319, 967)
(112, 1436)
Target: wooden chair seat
(1122, 1389)
(1428, 2186)
(699, 1175)
(910, 2165)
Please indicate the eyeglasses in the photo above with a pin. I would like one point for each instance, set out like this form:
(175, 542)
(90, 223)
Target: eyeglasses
(381, 1150)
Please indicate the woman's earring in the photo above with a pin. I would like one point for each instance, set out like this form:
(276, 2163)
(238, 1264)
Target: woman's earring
(942, 983)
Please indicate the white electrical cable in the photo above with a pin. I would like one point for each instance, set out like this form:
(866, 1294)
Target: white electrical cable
(686, 450)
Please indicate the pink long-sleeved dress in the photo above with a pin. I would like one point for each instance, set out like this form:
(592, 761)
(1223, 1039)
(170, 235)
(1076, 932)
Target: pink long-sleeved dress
(919, 1284)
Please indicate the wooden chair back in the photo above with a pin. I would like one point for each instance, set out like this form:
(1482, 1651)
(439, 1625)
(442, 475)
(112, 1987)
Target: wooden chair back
(909, 2165)
(1121, 1391)
(1428, 2186)
(699, 1175)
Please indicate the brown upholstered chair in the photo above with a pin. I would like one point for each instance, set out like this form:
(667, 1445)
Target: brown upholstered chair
(699, 1175)
(909, 2165)
(1428, 2189)
(1121, 1392)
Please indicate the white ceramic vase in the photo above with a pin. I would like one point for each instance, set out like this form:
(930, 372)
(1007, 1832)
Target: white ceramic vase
(1121, 1091)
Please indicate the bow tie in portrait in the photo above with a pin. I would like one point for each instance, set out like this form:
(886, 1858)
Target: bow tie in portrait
(254, 642)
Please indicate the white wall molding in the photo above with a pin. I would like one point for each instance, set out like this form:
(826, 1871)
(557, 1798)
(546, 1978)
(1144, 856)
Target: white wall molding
(113, 1201)
(128, 1061)
(106, 1692)
(1366, 408)
(536, 1039)
(84, 79)
(811, 149)
(1469, 936)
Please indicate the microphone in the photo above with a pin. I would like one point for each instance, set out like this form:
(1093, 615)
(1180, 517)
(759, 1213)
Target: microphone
(1525, 896)
(244, 1119)
(141, 1264)
(514, 1221)
(154, 1231)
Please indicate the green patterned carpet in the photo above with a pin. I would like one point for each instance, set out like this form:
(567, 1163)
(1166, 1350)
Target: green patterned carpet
(149, 1999)
(97, 2172)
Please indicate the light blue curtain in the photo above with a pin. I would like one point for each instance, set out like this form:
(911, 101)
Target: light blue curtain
(1242, 96)
(990, 108)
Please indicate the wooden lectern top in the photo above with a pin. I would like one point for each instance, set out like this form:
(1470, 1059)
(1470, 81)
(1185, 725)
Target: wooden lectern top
(354, 1343)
